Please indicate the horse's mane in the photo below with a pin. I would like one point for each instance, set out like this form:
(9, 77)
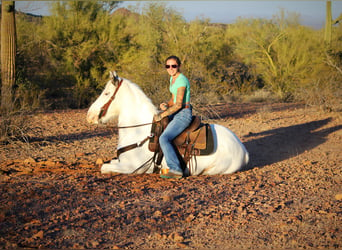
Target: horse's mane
(138, 94)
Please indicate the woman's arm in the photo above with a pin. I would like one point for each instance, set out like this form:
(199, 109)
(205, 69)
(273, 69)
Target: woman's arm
(174, 107)
(164, 106)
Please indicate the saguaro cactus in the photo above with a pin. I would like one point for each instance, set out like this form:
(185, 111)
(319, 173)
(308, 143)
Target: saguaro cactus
(8, 51)
(328, 23)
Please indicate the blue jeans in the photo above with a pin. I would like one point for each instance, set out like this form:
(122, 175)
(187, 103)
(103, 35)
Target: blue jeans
(178, 122)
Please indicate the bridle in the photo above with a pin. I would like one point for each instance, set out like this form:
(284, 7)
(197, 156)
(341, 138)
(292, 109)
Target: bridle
(104, 109)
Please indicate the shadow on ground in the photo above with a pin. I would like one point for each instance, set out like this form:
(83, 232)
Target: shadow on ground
(239, 110)
(71, 137)
(275, 145)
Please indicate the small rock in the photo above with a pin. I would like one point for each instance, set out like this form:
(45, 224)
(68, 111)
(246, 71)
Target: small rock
(181, 245)
(79, 154)
(157, 213)
(49, 163)
(39, 235)
(306, 163)
(94, 243)
(24, 169)
(338, 197)
(158, 235)
(4, 178)
(234, 177)
(190, 218)
(99, 161)
(176, 237)
(167, 198)
(29, 160)
(76, 246)
(2, 216)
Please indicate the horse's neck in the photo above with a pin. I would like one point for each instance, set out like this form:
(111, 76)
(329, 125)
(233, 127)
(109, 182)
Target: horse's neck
(136, 107)
(138, 111)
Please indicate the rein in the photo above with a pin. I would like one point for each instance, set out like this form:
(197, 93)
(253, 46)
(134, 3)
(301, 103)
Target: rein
(138, 125)
(135, 145)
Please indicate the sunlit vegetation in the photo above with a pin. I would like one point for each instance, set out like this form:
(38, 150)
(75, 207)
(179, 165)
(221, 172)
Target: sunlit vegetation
(63, 59)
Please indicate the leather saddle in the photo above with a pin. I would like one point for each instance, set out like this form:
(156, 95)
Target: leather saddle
(196, 139)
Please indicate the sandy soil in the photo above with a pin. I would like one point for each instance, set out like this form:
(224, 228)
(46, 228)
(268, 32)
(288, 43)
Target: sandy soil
(289, 196)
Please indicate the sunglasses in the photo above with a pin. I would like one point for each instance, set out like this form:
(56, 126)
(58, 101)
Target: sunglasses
(173, 66)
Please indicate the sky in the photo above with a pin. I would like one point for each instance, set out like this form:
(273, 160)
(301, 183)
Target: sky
(312, 13)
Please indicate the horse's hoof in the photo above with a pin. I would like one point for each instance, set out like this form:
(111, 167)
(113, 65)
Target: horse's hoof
(107, 169)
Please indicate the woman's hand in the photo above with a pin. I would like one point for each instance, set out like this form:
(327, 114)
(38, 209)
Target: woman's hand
(163, 106)
(157, 117)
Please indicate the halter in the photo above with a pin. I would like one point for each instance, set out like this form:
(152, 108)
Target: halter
(105, 107)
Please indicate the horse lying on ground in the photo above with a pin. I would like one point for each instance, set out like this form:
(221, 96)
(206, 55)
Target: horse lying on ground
(125, 101)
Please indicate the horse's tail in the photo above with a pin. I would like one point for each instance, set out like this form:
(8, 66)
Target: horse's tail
(246, 158)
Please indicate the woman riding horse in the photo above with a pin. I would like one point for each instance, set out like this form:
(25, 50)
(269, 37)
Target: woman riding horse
(179, 112)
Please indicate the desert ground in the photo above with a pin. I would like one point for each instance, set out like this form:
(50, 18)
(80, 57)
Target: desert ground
(289, 196)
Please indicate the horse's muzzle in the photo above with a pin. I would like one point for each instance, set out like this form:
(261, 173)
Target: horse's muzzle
(93, 119)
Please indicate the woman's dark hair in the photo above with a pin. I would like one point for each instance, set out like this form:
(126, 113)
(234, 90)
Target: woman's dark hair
(175, 58)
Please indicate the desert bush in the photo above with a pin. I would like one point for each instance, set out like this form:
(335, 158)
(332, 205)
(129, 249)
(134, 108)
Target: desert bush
(66, 59)
(261, 95)
(283, 52)
(324, 93)
(13, 127)
(325, 88)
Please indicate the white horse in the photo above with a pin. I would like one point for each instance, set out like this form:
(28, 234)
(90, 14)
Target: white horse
(124, 100)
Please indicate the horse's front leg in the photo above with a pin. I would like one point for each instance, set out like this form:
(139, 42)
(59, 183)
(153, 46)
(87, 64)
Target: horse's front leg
(115, 166)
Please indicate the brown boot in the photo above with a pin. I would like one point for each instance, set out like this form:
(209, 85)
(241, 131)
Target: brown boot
(172, 175)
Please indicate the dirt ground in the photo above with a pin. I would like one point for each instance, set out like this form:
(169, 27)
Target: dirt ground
(289, 196)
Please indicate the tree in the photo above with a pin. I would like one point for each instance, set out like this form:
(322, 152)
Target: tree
(79, 44)
(8, 52)
(284, 53)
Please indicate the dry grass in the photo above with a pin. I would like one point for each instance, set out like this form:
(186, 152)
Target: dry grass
(324, 94)
(15, 127)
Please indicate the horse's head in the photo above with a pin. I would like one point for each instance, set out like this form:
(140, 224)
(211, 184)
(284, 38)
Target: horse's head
(103, 109)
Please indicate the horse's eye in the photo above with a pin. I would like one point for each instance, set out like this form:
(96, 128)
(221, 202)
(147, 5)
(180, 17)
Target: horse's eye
(107, 93)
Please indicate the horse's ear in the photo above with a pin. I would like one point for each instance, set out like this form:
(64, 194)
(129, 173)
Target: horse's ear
(114, 77)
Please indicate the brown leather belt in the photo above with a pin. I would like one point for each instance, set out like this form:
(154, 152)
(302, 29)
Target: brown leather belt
(186, 106)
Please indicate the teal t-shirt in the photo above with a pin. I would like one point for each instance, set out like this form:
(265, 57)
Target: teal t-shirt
(181, 81)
